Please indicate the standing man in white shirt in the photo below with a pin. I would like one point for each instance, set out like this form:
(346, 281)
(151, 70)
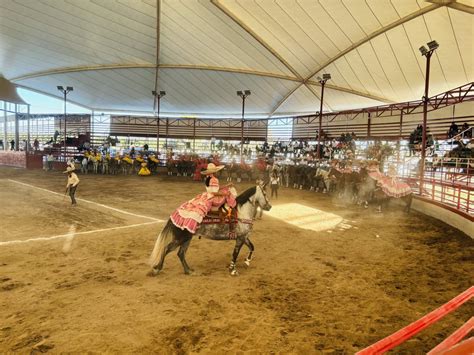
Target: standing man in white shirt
(72, 182)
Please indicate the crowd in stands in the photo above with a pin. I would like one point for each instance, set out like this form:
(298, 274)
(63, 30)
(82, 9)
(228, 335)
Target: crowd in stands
(454, 131)
(343, 146)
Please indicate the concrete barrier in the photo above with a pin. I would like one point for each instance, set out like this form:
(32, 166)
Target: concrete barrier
(446, 214)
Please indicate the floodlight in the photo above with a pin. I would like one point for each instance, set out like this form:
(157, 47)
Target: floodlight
(247, 92)
(433, 45)
(240, 93)
(423, 50)
(162, 93)
(153, 92)
(326, 76)
(60, 88)
(69, 88)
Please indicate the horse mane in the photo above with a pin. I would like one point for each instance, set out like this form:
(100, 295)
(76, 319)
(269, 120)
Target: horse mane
(246, 195)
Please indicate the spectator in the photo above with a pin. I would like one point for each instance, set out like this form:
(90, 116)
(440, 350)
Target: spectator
(49, 161)
(274, 181)
(466, 130)
(453, 130)
(36, 144)
(84, 163)
(12, 144)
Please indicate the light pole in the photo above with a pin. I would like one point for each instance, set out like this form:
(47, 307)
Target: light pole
(432, 46)
(157, 100)
(322, 81)
(65, 92)
(243, 94)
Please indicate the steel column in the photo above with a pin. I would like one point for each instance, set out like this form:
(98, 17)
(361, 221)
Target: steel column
(194, 136)
(157, 97)
(242, 131)
(28, 138)
(318, 154)
(65, 120)
(425, 117)
(5, 123)
(369, 120)
(17, 130)
(167, 127)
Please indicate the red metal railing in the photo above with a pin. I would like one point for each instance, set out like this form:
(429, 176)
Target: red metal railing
(448, 181)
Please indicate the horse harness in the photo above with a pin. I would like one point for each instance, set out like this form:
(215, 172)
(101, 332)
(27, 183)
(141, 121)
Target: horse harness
(220, 217)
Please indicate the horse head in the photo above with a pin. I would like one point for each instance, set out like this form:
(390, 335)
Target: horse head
(261, 197)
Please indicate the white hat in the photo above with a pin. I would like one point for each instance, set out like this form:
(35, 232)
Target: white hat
(212, 168)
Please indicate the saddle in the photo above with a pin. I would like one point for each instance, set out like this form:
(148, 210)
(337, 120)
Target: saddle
(222, 216)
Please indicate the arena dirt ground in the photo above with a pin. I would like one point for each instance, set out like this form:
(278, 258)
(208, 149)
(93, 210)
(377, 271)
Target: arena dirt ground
(332, 291)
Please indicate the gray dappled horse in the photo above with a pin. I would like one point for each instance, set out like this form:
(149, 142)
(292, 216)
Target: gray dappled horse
(172, 237)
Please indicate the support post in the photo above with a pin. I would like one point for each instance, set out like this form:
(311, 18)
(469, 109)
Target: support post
(5, 126)
(318, 154)
(369, 120)
(194, 136)
(425, 117)
(28, 138)
(17, 130)
(157, 97)
(65, 120)
(242, 131)
(399, 137)
(167, 128)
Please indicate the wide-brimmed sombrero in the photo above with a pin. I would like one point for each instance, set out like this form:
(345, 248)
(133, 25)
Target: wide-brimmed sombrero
(211, 169)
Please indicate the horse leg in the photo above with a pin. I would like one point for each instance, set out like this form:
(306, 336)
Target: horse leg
(249, 244)
(182, 255)
(238, 245)
(169, 248)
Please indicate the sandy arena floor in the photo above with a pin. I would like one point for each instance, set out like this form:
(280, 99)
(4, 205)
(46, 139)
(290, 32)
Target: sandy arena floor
(351, 280)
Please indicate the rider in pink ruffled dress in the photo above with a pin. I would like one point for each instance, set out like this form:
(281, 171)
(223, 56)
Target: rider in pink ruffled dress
(374, 172)
(394, 187)
(191, 213)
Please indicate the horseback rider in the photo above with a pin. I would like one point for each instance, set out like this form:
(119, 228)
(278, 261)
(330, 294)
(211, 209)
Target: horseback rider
(191, 213)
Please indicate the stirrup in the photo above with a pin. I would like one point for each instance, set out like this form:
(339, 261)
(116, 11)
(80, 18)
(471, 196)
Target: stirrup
(229, 213)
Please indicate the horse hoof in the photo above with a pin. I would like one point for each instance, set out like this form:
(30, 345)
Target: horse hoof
(188, 272)
(247, 262)
(234, 272)
(152, 273)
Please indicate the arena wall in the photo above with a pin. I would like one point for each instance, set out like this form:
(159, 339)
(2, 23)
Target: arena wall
(12, 158)
(448, 215)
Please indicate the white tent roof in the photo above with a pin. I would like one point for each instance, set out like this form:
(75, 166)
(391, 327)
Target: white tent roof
(110, 51)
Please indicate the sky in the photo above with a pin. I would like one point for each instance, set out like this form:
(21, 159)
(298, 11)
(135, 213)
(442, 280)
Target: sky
(45, 104)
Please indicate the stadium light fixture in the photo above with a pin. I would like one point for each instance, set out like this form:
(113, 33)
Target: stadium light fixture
(243, 94)
(432, 45)
(65, 92)
(322, 81)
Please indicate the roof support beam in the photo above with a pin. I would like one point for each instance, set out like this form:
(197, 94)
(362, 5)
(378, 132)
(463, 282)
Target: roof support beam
(259, 39)
(153, 66)
(279, 103)
(373, 35)
(353, 92)
(461, 7)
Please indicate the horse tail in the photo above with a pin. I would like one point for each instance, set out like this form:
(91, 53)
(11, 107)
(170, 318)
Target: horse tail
(164, 238)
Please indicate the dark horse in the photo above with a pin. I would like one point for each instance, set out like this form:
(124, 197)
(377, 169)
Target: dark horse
(172, 237)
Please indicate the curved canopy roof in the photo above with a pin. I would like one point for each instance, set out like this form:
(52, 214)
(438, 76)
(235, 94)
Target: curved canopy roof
(115, 52)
